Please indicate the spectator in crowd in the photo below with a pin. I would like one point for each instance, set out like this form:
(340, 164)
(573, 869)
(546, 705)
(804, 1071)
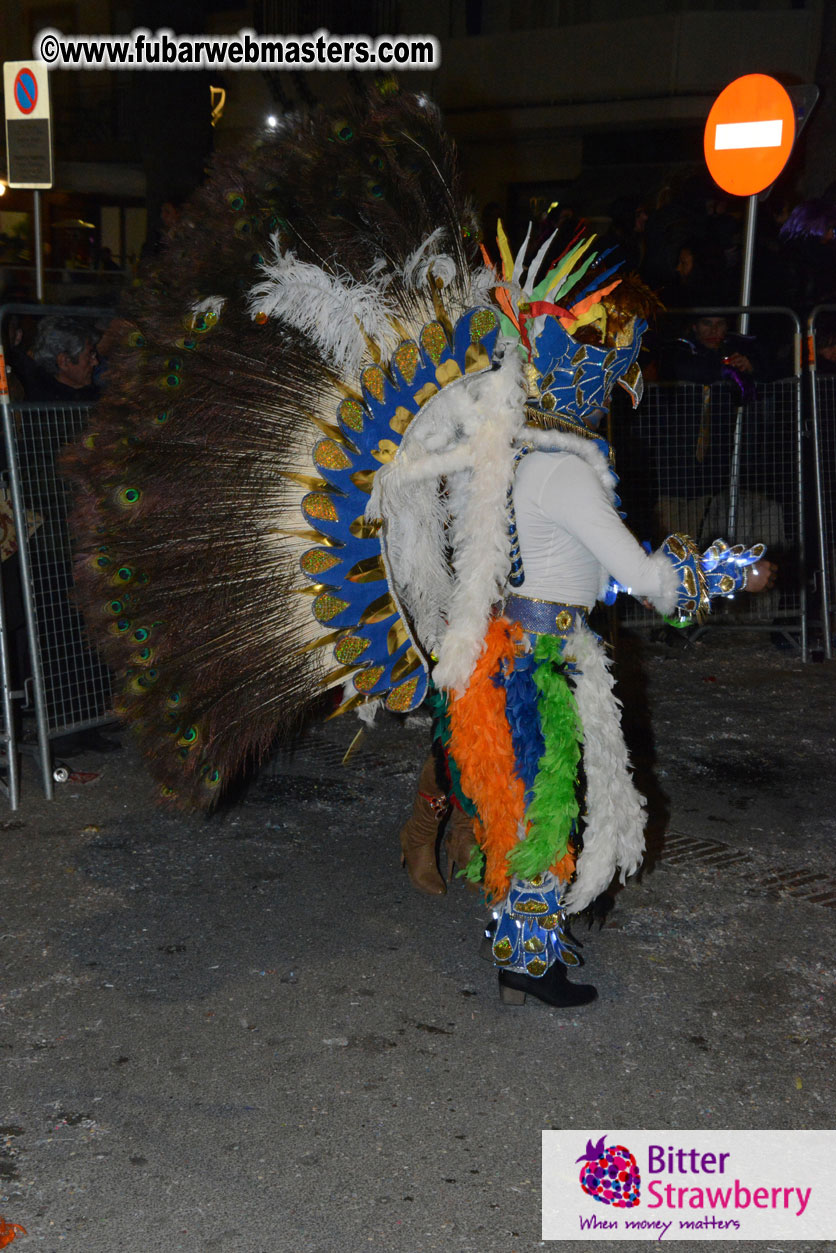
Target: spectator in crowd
(60, 366)
(709, 352)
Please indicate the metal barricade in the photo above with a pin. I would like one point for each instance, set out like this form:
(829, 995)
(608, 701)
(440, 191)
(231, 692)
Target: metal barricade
(714, 462)
(67, 687)
(821, 342)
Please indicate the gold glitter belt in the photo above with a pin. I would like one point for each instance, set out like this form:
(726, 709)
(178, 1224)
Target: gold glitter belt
(544, 617)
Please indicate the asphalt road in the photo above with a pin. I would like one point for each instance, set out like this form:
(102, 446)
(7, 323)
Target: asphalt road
(249, 1034)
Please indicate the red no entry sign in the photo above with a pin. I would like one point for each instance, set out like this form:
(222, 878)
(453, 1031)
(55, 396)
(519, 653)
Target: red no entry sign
(26, 91)
(749, 134)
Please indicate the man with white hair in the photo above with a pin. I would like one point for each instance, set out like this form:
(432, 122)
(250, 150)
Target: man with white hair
(64, 356)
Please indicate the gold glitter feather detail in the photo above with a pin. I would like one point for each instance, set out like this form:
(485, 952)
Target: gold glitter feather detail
(367, 679)
(400, 698)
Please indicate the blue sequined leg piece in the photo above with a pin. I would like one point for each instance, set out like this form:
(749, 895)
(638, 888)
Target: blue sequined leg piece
(529, 934)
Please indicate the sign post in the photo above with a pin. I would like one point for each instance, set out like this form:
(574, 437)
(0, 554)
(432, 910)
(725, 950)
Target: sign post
(748, 139)
(29, 141)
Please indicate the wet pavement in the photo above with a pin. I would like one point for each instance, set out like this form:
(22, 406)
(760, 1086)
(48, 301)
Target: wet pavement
(249, 1034)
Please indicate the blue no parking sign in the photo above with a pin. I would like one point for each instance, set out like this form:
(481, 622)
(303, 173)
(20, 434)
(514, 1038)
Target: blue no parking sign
(28, 124)
(26, 90)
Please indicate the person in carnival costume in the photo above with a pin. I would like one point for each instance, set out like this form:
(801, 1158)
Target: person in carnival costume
(333, 438)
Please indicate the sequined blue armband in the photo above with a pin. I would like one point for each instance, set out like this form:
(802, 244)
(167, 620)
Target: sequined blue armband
(686, 559)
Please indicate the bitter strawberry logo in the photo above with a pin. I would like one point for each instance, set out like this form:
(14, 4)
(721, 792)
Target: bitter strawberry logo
(610, 1174)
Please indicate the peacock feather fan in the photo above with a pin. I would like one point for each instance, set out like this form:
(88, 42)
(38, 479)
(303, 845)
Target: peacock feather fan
(273, 356)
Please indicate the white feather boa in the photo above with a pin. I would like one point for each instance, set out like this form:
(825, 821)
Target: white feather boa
(613, 838)
(336, 311)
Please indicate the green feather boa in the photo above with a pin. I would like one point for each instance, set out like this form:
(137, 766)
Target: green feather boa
(554, 807)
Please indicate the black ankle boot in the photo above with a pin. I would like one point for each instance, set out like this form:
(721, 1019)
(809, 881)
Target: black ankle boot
(552, 989)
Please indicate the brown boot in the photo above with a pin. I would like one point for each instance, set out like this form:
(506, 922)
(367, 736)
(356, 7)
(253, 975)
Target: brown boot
(459, 842)
(420, 834)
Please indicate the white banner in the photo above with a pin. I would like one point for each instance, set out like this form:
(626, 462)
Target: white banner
(689, 1185)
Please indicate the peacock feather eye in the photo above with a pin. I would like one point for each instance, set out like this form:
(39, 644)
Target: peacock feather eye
(129, 495)
(171, 380)
(174, 364)
(199, 323)
(344, 131)
(115, 607)
(123, 626)
(162, 418)
(213, 778)
(189, 737)
(102, 562)
(235, 201)
(376, 161)
(243, 227)
(136, 340)
(141, 634)
(145, 654)
(376, 190)
(174, 699)
(124, 574)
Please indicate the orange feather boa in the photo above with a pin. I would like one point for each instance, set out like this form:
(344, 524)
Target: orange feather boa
(480, 742)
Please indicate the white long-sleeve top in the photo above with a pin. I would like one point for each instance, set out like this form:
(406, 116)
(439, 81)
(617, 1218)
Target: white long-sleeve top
(572, 539)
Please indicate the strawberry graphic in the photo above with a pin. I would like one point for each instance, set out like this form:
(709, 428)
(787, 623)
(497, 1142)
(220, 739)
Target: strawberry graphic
(610, 1174)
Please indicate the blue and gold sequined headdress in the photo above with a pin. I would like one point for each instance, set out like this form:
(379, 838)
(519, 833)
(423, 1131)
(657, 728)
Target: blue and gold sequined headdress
(577, 342)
